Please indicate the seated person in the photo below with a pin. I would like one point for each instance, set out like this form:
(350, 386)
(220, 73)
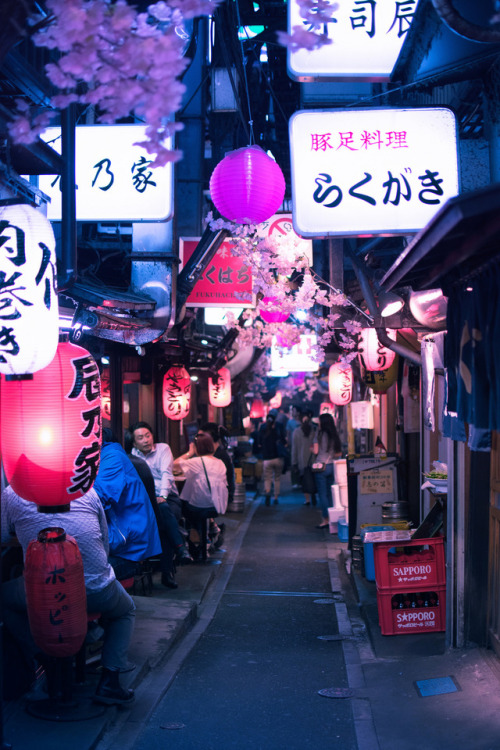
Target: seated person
(133, 531)
(205, 489)
(86, 522)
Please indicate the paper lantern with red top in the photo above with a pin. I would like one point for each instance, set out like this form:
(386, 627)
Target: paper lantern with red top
(51, 428)
(340, 383)
(55, 593)
(327, 408)
(269, 310)
(176, 393)
(29, 329)
(219, 388)
(247, 186)
(374, 355)
(275, 401)
(257, 409)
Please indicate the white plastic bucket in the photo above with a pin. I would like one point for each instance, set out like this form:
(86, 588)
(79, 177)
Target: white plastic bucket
(333, 517)
(340, 471)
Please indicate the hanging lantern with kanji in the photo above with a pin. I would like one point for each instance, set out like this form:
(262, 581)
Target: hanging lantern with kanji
(247, 186)
(55, 593)
(219, 388)
(381, 381)
(373, 354)
(275, 401)
(270, 312)
(51, 428)
(257, 409)
(340, 383)
(176, 393)
(29, 327)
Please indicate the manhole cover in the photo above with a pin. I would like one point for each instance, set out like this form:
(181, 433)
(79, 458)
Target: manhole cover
(173, 725)
(336, 692)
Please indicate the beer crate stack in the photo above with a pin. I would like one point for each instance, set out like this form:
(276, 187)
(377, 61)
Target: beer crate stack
(411, 586)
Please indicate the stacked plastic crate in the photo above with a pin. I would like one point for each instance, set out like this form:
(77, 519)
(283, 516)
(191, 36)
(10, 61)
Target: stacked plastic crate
(411, 586)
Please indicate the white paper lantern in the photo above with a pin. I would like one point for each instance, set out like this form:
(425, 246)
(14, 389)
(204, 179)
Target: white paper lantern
(375, 356)
(29, 313)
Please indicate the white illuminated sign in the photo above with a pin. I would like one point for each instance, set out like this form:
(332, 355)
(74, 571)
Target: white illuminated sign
(296, 358)
(367, 36)
(113, 176)
(373, 171)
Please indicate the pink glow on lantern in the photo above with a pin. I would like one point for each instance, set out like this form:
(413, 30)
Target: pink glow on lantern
(51, 428)
(247, 186)
(275, 401)
(272, 315)
(340, 383)
(257, 409)
(176, 393)
(375, 356)
(327, 408)
(219, 388)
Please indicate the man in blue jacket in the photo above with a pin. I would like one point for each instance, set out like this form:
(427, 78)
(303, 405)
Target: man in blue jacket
(133, 531)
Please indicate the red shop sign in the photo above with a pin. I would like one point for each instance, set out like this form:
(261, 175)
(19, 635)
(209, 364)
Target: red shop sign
(226, 282)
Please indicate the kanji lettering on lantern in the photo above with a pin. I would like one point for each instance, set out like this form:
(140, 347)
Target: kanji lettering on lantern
(7, 287)
(86, 465)
(56, 576)
(8, 343)
(93, 419)
(55, 617)
(107, 179)
(142, 175)
(18, 258)
(60, 597)
(86, 376)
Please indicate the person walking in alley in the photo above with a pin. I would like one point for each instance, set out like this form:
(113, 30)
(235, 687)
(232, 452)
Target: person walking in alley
(326, 448)
(302, 443)
(272, 447)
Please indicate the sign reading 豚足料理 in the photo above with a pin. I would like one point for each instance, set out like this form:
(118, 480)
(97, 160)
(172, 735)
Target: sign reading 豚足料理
(374, 171)
(113, 176)
(366, 38)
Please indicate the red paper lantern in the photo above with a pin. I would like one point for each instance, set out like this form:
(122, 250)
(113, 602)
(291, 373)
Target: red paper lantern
(340, 383)
(327, 408)
(269, 310)
(374, 355)
(247, 186)
(219, 389)
(257, 409)
(275, 401)
(176, 393)
(55, 593)
(51, 428)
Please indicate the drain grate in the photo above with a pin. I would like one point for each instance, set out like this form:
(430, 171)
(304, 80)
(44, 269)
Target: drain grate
(437, 686)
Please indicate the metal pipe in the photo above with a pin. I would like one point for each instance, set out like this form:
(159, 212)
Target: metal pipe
(68, 273)
(197, 263)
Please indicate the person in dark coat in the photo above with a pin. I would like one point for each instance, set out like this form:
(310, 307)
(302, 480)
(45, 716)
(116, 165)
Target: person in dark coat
(272, 446)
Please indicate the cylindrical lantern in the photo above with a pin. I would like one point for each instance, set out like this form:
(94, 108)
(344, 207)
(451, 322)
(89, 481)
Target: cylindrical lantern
(275, 401)
(55, 593)
(29, 315)
(381, 381)
(51, 428)
(327, 408)
(257, 409)
(269, 311)
(176, 393)
(219, 388)
(340, 383)
(247, 186)
(374, 355)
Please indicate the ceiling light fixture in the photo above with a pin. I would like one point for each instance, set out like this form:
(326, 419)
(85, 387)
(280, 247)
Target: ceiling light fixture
(389, 303)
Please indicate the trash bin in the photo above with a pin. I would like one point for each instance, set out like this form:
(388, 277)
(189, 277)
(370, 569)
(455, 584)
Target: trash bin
(369, 557)
(343, 530)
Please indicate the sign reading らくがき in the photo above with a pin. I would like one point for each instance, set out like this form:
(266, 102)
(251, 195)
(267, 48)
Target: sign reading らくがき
(374, 171)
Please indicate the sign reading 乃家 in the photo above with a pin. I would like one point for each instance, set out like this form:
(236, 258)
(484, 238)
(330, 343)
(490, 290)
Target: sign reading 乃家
(366, 38)
(368, 172)
(113, 176)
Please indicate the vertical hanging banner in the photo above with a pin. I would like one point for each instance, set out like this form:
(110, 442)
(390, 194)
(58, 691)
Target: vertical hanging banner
(369, 172)
(366, 38)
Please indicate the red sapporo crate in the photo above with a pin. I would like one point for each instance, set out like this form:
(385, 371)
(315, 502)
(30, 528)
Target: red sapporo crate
(401, 570)
(410, 621)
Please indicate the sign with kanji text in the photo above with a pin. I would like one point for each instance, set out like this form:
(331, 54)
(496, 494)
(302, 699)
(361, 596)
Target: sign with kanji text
(113, 176)
(371, 172)
(361, 415)
(226, 282)
(376, 482)
(297, 358)
(366, 39)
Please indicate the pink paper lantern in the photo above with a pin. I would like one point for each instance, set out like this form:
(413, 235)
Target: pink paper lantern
(375, 356)
(340, 383)
(327, 408)
(176, 393)
(269, 313)
(219, 388)
(257, 409)
(247, 186)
